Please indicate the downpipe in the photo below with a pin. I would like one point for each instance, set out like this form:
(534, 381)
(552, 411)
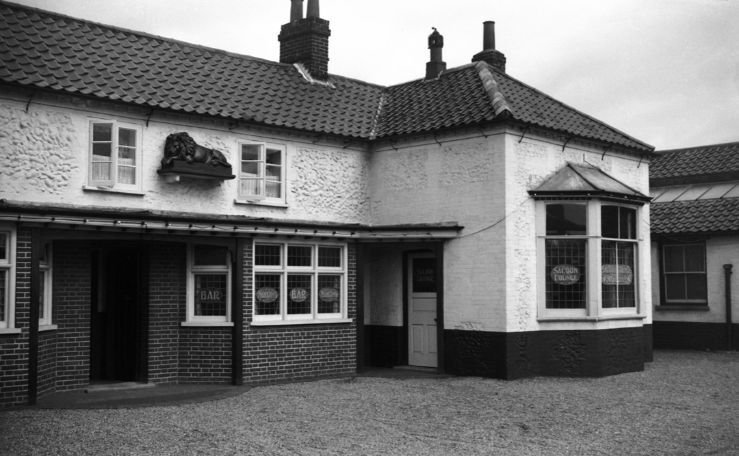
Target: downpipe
(727, 279)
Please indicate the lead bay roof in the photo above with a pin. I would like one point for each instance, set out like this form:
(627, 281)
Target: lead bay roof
(43, 50)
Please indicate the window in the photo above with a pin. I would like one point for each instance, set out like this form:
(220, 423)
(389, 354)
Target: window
(45, 296)
(7, 277)
(299, 282)
(261, 173)
(115, 155)
(684, 274)
(589, 253)
(209, 284)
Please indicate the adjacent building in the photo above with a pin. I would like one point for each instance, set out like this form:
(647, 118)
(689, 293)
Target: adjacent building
(695, 250)
(171, 213)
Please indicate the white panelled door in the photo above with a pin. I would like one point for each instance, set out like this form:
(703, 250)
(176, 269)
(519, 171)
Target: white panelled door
(422, 310)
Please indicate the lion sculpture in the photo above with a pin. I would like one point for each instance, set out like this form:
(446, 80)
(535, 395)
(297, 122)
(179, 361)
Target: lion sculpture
(182, 146)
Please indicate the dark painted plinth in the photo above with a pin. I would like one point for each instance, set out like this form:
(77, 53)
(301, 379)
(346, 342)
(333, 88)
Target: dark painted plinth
(554, 353)
(694, 336)
(384, 346)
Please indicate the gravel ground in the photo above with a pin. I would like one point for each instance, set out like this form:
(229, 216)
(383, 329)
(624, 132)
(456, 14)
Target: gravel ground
(683, 403)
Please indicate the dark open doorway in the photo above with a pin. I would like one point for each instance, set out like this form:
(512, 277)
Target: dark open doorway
(118, 303)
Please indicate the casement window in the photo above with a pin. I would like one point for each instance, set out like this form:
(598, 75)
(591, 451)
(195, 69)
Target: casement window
(299, 282)
(208, 284)
(7, 277)
(261, 173)
(115, 155)
(45, 283)
(684, 274)
(589, 258)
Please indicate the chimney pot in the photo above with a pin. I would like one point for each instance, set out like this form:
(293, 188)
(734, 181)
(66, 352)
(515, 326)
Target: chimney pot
(436, 64)
(296, 10)
(305, 40)
(488, 35)
(489, 54)
(314, 10)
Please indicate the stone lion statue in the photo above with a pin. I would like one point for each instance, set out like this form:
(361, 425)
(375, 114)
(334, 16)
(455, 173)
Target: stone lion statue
(182, 146)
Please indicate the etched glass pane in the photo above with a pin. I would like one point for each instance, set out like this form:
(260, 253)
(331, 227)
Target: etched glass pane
(566, 219)
(267, 255)
(565, 273)
(299, 255)
(299, 293)
(267, 294)
(3, 293)
(618, 274)
(210, 255)
(210, 294)
(329, 293)
(329, 257)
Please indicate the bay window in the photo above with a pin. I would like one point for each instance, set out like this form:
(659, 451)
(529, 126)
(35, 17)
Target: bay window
(299, 282)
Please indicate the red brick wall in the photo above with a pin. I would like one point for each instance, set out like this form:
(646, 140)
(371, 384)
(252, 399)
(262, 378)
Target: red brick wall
(167, 298)
(283, 353)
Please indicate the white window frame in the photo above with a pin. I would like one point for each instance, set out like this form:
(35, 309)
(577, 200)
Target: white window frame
(262, 173)
(687, 303)
(8, 265)
(113, 184)
(192, 270)
(593, 268)
(45, 268)
(314, 270)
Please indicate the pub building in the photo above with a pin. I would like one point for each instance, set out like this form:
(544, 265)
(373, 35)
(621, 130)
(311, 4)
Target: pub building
(172, 213)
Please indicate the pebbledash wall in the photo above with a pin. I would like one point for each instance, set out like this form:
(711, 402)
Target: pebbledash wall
(491, 292)
(44, 161)
(705, 327)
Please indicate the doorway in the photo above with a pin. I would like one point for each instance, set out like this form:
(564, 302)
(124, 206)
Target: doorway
(422, 317)
(117, 337)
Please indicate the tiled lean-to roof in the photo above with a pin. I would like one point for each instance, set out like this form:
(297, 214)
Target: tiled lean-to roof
(43, 50)
(695, 217)
(695, 164)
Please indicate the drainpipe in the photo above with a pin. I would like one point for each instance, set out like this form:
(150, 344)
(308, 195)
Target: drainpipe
(727, 278)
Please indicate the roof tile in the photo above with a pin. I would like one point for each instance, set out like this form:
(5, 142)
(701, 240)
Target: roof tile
(695, 164)
(701, 216)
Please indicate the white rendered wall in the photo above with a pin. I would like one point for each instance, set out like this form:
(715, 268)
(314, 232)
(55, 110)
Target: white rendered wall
(459, 180)
(44, 159)
(720, 250)
(529, 162)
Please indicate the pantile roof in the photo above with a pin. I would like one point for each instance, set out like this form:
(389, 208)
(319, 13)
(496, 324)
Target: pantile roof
(39, 49)
(695, 164)
(695, 217)
(582, 180)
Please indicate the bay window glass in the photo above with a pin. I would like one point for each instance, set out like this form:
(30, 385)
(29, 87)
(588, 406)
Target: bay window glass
(618, 256)
(7, 275)
(565, 256)
(298, 281)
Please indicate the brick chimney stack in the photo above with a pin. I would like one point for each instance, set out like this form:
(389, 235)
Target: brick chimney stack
(489, 54)
(436, 65)
(305, 40)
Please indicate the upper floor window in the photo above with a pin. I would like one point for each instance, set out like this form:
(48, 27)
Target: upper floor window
(115, 155)
(261, 173)
(7, 277)
(590, 258)
(684, 274)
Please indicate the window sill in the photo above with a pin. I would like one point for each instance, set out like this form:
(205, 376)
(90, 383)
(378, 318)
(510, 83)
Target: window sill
(42, 328)
(10, 331)
(591, 319)
(683, 308)
(91, 188)
(301, 322)
(280, 204)
(204, 324)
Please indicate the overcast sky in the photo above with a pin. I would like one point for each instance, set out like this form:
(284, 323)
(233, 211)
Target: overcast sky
(663, 71)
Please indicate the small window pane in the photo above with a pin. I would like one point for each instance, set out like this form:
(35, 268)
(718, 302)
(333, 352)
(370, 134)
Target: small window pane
(267, 294)
(565, 273)
(249, 187)
(696, 286)
(250, 152)
(675, 287)
(274, 157)
(267, 255)
(102, 132)
(695, 258)
(609, 221)
(210, 255)
(424, 275)
(299, 294)
(210, 294)
(566, 219)
(250, 168)
(127, 137)
(3, 293)
(3, 246)
(329, 293)
(329, 257)
(673, 258)
(299, 255)
(273, 189)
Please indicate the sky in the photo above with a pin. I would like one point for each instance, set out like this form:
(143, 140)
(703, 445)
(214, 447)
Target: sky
(663, 71)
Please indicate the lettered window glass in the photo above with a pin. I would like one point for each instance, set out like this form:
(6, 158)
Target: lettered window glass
(565, 256)
(209, 297)
(618, 256)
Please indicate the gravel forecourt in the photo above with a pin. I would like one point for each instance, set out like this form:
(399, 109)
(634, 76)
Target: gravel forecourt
(683, 403)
